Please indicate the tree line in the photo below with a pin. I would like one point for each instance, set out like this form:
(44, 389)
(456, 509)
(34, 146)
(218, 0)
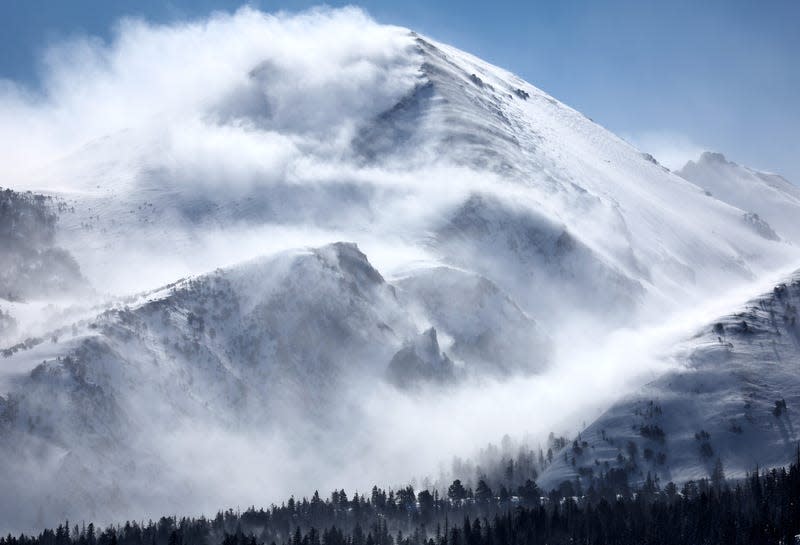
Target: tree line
(763, 508)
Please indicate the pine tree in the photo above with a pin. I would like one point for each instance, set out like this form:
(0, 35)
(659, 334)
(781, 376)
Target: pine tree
(482, 492)
(718, 475)
(456, 491)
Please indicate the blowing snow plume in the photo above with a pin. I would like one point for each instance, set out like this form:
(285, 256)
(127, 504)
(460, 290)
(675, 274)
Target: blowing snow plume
(325, 252)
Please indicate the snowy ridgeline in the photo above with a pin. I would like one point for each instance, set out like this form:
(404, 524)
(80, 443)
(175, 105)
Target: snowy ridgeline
(454, 162)
(771, 202)
(294, 338)
(734, 399)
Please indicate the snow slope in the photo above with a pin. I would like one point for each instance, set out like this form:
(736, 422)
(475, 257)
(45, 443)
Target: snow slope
(453, 162)
(296, 338)
(733, 396)
(771, 197)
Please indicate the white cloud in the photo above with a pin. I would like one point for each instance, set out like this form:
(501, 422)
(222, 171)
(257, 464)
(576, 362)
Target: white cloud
(237, 94)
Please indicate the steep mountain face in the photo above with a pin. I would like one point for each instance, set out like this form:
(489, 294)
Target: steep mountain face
(421, 360)
(771, 202)
(260, 336)
(623, 217)
(733, 396)
(541, 261)
(453, 156)
(517, 242)
(31, 266)
(295, 337)
(35, 272)
(488, 330)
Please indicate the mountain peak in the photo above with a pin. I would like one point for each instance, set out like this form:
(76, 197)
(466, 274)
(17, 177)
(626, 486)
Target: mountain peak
(762, 196)
(713, 157)
(348, 257)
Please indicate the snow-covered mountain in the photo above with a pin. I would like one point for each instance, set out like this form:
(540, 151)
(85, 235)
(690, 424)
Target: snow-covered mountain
(295, 337)
(311, 260)
(771, 202)
(455, 161)
(732, 397)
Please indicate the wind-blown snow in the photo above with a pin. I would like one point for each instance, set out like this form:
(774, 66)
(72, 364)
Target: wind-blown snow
(733, 397)
(547, 258)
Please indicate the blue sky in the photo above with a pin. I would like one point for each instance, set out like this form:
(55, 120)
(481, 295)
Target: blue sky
(674, 77)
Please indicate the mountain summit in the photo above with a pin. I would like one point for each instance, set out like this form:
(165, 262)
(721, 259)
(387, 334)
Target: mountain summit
(765, 196)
